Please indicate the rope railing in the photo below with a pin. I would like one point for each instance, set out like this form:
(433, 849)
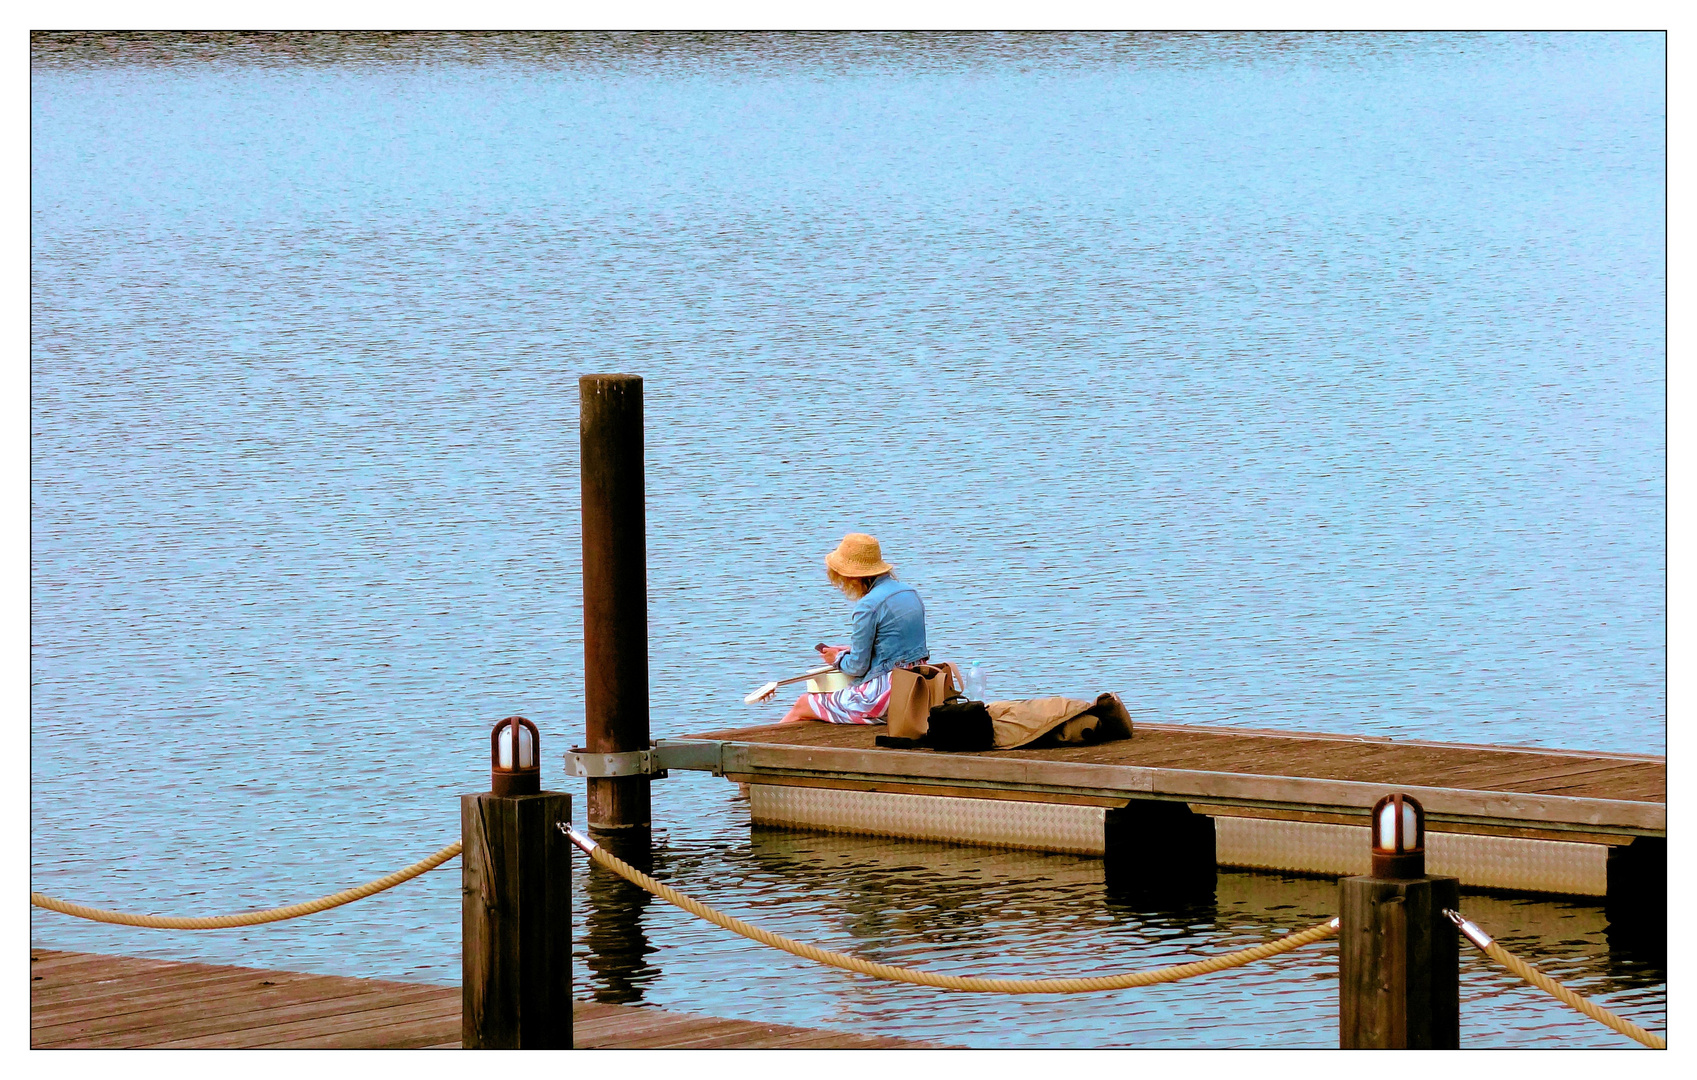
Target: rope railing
(249, 918)
(890, 972)
(1488, 945)
(917, 977)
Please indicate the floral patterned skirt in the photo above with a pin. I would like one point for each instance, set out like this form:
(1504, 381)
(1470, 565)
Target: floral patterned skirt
(863, 703)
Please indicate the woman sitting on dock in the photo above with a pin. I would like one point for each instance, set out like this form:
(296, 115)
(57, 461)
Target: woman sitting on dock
(888, 631)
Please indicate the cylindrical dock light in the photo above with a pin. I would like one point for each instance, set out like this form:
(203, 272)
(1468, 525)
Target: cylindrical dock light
(1399, 837)
(515, 758)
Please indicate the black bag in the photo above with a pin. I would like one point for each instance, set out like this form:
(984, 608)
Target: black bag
(957, 725)
(961, 725)
(953, 724)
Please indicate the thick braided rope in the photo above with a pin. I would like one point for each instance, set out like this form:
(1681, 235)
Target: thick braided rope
(1568, 997)
(960, 982)
(249, 918)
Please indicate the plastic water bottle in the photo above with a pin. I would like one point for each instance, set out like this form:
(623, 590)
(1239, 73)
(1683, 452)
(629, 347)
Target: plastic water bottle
(972, 682)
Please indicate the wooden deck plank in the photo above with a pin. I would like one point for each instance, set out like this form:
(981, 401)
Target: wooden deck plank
(47, 976)
(628, 1029)
(414, 1036)
(216, 1006)
(94, 986)
(685, 1031)
(1150, 727)
(1564, 777)
(349, 1025)
(1372, 763)
(1270, 752)
(1552, 792)
(44, 961)
(124, 989)
(98, 979)
(248, 1012)
(199, 1016)
(294, 989)
(109, 974)
(419, 1028)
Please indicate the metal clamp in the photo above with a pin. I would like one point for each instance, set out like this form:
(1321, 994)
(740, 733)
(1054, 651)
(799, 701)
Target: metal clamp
(583, 842)
(1469, 929)
(691, 755)
(625, 763)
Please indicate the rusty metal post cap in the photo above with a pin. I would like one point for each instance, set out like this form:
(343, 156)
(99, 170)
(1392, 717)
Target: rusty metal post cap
(1399, 837)
(515, 758)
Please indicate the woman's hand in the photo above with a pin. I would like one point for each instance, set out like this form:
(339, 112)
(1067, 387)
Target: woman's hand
(831, 652)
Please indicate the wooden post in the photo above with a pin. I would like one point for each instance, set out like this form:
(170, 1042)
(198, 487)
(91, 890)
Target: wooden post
(1637, 901)
(1638, 875)
(1399, 958)
(1159, 851)
(615, 592)
(516, 919)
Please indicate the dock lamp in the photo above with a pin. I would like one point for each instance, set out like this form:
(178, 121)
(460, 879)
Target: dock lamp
(514, 753)
(1399, 837)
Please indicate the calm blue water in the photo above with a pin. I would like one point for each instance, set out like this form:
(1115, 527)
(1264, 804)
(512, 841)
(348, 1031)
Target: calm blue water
(1313, 383)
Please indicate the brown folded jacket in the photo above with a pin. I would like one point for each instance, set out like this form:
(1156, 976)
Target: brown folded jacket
(1066, 721)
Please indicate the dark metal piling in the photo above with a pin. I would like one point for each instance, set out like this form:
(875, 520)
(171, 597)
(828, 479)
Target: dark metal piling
(615, 592)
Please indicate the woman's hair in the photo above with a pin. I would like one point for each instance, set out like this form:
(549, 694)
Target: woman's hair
(854, 587)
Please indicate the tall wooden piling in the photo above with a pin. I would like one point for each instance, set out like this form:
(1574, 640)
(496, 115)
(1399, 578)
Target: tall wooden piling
(615, 592)
(516, 924)
(1399, 959)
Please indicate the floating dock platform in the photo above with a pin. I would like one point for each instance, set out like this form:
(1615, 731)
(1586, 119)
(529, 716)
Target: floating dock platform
(1517, 818)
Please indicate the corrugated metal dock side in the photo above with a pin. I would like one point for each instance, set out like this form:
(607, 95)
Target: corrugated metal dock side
(1504, 862)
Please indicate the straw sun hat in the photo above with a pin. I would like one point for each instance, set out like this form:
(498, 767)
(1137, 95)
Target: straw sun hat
(858, 556)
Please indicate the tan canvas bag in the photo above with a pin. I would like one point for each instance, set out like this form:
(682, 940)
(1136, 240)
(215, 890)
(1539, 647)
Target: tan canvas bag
(912, 693)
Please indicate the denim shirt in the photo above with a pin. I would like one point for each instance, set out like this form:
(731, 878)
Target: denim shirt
(888, 631)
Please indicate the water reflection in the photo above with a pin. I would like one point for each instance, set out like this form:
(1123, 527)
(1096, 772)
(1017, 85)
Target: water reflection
(615, 947)
(1027, 914)
(925, 893)
(1639, 944)
(1192, 906)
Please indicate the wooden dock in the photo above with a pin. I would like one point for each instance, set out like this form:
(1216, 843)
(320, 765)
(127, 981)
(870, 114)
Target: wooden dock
(87, 1001)
(1484, 803)
(1513, 791)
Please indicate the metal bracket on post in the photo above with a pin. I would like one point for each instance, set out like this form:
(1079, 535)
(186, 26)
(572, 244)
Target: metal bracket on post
(690, 754)
(628, 763)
